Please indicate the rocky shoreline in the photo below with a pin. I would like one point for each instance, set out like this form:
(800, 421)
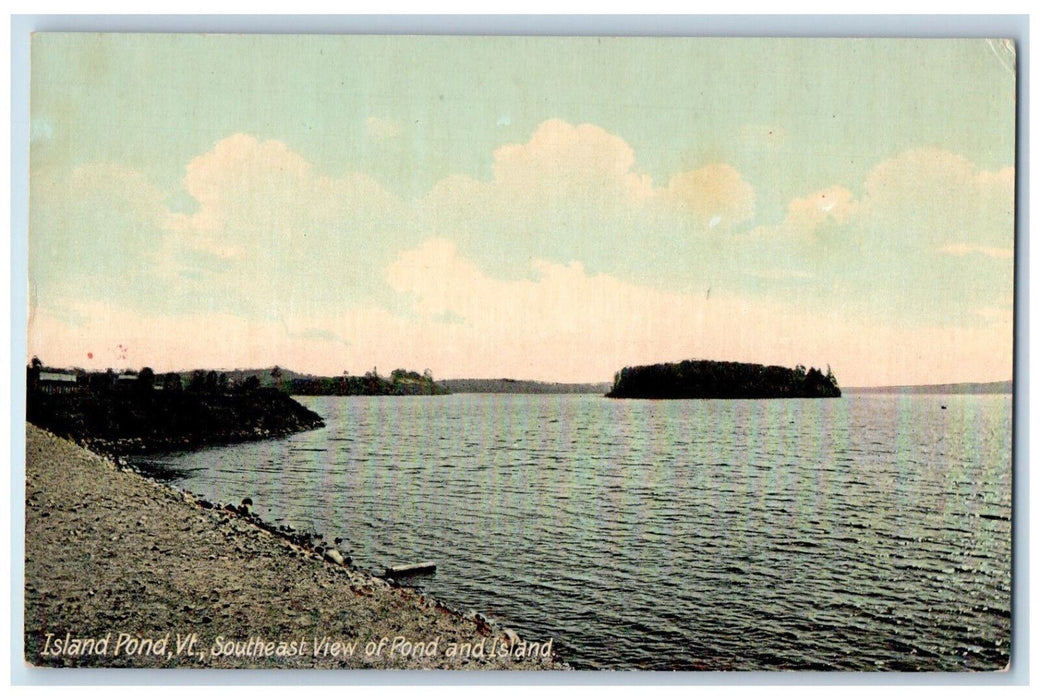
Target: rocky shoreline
(119, 423)
(122, 571)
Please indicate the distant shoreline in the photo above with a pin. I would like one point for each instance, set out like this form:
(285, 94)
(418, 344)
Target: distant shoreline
(521, 386)
(1004, 387)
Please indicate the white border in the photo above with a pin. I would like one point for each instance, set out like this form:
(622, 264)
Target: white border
(12, 392)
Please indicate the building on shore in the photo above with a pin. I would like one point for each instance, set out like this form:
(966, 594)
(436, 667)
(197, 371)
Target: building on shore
(57, 383)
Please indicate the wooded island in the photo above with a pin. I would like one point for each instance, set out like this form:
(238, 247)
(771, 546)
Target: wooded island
(707, 379)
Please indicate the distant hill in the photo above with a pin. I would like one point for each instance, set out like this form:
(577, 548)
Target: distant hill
(709, 379)
(519, 386)
(1004, 387)
(264, 375)
(400, 382)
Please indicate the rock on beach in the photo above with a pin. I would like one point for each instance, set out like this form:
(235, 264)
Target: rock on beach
(111, 555)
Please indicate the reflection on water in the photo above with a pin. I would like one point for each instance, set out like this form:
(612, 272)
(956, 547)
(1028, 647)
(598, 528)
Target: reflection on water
(868, 532)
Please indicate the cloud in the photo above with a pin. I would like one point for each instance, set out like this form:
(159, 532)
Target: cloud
(932, 197)
(585, 167)
(562, 323)
(561, 158)
(900, 249)
(268, 235)
(832, 204)
(567, 263)
(585, 326)
(713, 195)
(259, 195)
(267, 225)
(806, 215)
(921, 198)
(575, 192)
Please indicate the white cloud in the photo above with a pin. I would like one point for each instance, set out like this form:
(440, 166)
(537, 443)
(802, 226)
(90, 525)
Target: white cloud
(584, 327)
(254, 195)
(586, 168)
(899, 250)
(832, 204)
(283, 264)
(561, 158)
(713, 195)
(575, 192)
(922, 198)
(806, 215)
(563, 324)
(287, 238)
(933, 197)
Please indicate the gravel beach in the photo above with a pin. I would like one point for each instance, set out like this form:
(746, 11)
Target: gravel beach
(122, 571)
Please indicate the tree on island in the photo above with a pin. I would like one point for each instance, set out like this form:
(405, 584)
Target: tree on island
(197, 383)
(145, 381)
(32, 374)
(172, 382)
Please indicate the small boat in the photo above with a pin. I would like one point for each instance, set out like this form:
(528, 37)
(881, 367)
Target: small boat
(425, 567)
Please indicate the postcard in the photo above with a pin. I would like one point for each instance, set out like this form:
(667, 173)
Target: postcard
(520, 352)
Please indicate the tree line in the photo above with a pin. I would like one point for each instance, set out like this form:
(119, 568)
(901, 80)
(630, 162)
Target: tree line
(401, 382)
(707, 379)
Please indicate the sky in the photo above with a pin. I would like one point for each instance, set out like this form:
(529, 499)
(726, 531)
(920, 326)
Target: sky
(537, 208)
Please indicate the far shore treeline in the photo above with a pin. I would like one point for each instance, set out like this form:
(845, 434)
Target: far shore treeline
(706, 379)
(138, 412)
(401, 382)
(132, 412)
(520, 386)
